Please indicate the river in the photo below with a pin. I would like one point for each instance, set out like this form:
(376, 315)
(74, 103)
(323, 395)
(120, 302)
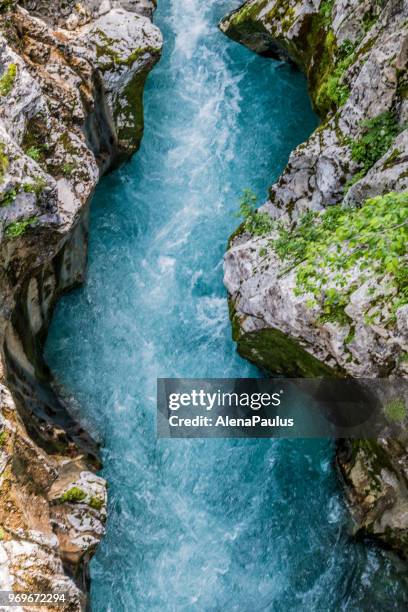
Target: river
(201, 525)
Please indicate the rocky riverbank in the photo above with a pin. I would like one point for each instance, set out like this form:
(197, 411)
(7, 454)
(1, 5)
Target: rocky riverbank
(317, 278)
(71, 89)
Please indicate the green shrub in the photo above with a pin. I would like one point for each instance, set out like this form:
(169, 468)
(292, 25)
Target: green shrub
(19, 227)
(74, 495)
(255, 222)
(96, 502)
(34, 153)
(68, 168)
(377, 137)
(326, 246)
(325, 10)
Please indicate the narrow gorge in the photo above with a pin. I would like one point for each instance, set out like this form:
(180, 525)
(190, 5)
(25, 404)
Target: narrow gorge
(198, 524)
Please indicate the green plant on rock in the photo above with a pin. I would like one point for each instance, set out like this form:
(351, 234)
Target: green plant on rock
(396, 410)
(377, 136)
(9, 197)
(34, 153)
(37, 186)
(73, 495)
(257, 223)
(18, 228)
(7, 80)
(3, 438)
(68, 168)
(332, 91)
(96, 502)
(4, 161)
(325, 10)
(336, 251)
(6, 5)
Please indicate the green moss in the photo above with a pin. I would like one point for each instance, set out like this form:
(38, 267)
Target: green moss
(248, 12)
(110, 59)
(4, 161)
(8, 79)
(18, 228)
(3, 438)
(392, 159)
(278, 353)
(396, 410)
(130, 106)
(331, 92)
(96, 502)
(73, 495)
(376, 459)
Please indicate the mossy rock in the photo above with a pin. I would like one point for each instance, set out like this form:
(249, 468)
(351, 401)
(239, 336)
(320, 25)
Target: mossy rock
(272, 350)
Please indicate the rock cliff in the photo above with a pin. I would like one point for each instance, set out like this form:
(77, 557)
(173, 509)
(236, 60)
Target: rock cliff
(317, 277)
(71, 88)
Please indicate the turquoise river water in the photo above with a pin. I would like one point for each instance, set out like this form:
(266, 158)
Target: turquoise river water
(204, 525)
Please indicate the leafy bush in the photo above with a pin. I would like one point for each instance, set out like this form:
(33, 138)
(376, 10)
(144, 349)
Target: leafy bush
(255, 222)
(377, 137)
(19, 227)
(34, 153)
(96, 502)
(327, 246)
(75, 494)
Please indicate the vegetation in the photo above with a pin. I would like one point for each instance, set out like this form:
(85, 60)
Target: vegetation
(4, 161)
(377, 137)
(1, 534)
(68, 168)
(34, 153)
(325, 10)
(396, 411)
(7, 80)
(74, 495)
(36, 186)
(6, 5)
(255, 222)
(96, 502)
(332, 92)
(327, 248)
(3, 438)
(18, 228)
(9, 197)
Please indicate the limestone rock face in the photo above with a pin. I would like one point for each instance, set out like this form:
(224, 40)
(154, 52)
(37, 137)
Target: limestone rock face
(71, 85)
(343, 311)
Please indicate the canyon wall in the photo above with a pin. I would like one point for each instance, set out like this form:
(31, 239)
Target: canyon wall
(317, 277)
(71, 108)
